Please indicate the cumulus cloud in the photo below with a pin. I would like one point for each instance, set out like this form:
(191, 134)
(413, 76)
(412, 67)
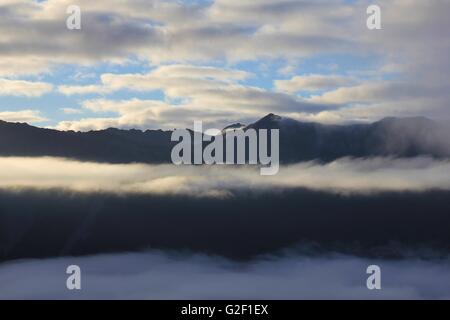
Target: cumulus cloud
(206, 93)
(230, 32)
(171, 78)
(13, 67)
(159, 275)
(23, 88)
(170, 30)
(89, 89)
(181, 31)
(342, 176)
(29, 116)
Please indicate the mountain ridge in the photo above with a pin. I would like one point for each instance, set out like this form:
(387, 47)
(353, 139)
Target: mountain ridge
(299, 141)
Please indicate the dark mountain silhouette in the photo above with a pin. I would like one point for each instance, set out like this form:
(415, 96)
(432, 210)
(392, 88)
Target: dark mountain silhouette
(299, 141)
(396, 137)
(110, 145)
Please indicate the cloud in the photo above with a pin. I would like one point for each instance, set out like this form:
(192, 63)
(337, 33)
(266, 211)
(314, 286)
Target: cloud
(29, 116)
(15, 66)
(159, 275)
(171, 78)
(181, 31)
(190, 71)
(174, 31)
(363, 176)
(231, 32)
(379, 92)
(372, 100)
(134, 113)
(23, 88)
(107, 35)
(89, 89)
(191, 93)
(312, 82)
(71, 111)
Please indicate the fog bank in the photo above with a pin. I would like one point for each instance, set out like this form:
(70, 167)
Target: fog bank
(158, 275)
(342, 176)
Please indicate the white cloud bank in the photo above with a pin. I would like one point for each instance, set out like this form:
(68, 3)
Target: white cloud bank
(156, 275)
(29, 116)
(342, 176)
(23, 88)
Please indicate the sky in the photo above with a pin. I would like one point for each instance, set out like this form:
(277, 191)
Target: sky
(151, 64)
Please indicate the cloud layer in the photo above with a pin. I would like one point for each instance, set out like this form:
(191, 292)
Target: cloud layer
(342, 176)
(29, 116)
(198, 52)
(156, 275)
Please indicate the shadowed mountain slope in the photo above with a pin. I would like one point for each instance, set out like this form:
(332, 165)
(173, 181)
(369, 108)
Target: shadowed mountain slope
(299, 141)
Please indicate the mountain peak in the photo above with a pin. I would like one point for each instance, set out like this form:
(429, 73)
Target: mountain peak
(271, 117)
(268, 122)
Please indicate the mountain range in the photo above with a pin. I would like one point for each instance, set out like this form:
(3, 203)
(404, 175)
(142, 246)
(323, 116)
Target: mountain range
(299, 141)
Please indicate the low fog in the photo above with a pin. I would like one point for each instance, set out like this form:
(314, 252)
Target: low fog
(342, 176)
(222, 232)
(158, 275)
